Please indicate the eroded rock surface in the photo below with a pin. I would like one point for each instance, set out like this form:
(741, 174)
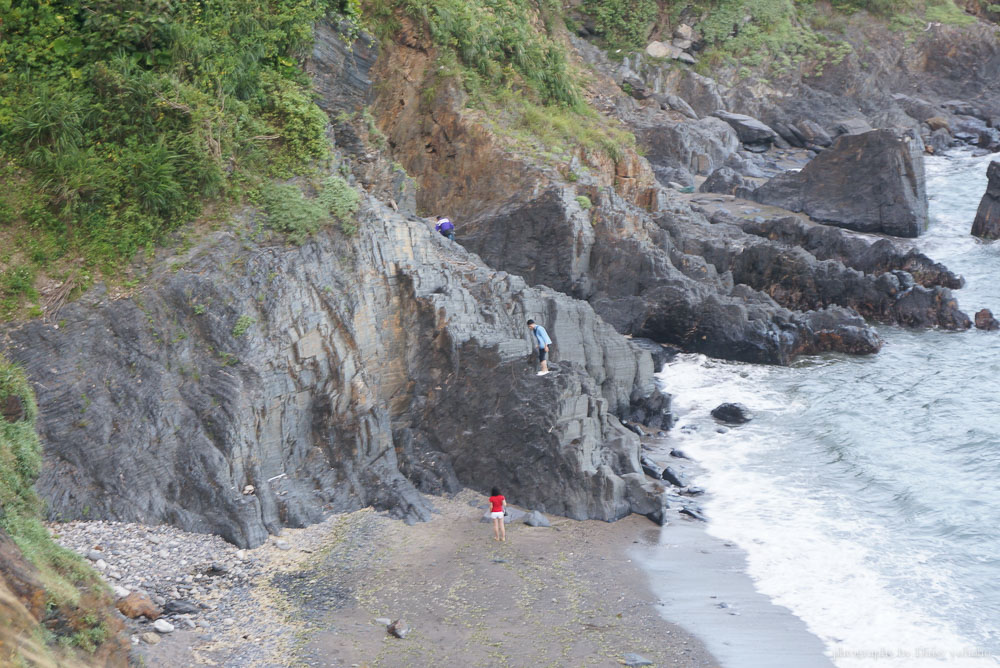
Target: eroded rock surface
(343, 373)
(871, 182)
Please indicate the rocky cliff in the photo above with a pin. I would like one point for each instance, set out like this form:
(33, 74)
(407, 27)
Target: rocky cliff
(255, 385)
(252, 385)
(641, 255)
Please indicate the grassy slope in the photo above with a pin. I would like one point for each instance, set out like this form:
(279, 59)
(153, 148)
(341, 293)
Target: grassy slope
(75, 604)
(121, 121)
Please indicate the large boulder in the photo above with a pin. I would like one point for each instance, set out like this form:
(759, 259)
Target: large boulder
(870, 182)
(699, 147)
(726, 181)
(748, 129)
(987, 222)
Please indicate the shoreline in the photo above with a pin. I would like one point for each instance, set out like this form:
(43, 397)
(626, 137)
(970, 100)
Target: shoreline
(704, 586)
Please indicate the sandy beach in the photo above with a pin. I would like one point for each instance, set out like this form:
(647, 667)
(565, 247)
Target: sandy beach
(569, 595)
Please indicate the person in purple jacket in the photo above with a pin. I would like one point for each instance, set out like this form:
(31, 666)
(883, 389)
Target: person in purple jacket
(445, 227)
(543, 341)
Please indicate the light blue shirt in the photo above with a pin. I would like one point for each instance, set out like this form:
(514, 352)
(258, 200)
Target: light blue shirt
(541, 336)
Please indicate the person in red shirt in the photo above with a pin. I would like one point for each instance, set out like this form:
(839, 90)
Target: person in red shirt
(498, 508)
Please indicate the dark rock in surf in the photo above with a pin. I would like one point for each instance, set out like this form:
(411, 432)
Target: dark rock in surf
(694, 512)
(673, 477)
(732, 413)
(987, 222)
(872, 182)
(986, 321)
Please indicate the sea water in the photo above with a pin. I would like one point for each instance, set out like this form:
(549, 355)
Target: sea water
(866, 490)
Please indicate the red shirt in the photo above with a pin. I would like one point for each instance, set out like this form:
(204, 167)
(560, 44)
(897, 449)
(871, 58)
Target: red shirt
(497, 502)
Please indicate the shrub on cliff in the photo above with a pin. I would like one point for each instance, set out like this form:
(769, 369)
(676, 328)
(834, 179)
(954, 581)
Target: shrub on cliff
(511, 59)
(119, 120)
(75, 602)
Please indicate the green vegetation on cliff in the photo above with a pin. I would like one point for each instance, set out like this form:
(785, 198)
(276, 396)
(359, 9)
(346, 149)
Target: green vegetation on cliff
(512, 60)
(119, 121)
(75, 601)
(775, 36)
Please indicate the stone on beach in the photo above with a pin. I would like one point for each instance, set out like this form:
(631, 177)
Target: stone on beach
(536, 519)
(633, 659)
(163, 626)
(137, 604)
(149, 638)
(398, 629)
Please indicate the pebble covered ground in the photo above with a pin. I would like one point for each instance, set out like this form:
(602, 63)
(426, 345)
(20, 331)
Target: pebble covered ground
(322, 596)
(223, 605)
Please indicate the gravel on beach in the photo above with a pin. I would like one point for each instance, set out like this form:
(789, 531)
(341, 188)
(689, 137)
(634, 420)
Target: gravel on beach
(325, 595)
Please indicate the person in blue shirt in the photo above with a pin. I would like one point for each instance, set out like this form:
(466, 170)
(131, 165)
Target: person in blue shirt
(445, 227)
(543, 341)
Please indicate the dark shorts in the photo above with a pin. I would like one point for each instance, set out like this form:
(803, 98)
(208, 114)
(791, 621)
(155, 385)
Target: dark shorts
(542, 354)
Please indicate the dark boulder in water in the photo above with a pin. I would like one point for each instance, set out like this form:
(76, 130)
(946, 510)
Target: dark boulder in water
(985, 320)
(674, 478)
(732, 413)
(987, 222)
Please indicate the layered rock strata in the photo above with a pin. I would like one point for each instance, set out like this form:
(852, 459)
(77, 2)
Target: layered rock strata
(252, 386)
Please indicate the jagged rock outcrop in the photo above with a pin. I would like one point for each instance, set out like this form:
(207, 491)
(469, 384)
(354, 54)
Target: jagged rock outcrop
(679, 150)
(872, 182)
(987, 222)
(855, 251)
(339, 374)
(627, 254)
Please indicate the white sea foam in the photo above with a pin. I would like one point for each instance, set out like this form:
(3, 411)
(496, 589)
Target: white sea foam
(811, 547)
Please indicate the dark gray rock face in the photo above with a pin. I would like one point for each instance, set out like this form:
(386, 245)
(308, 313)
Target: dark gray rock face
(872, 182)
(697, 147)
(328, 387)
(341, 73)
(658, 280)
(987, 222)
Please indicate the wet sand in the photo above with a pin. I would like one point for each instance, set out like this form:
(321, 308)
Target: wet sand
(702, 583)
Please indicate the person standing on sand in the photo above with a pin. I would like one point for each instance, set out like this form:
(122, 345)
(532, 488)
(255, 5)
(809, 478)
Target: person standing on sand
(543, 341)
(498, 508)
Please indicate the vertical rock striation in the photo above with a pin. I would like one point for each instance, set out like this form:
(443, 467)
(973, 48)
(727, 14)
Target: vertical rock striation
(342, 373)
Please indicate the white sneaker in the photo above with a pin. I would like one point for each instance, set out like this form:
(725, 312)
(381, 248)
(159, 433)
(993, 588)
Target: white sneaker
(542, 373)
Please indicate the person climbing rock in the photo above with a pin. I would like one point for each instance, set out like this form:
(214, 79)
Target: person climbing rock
(445, 227)
(543, 341)
(498, 508)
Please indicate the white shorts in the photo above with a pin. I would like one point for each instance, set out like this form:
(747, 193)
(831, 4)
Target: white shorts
(496, 515)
